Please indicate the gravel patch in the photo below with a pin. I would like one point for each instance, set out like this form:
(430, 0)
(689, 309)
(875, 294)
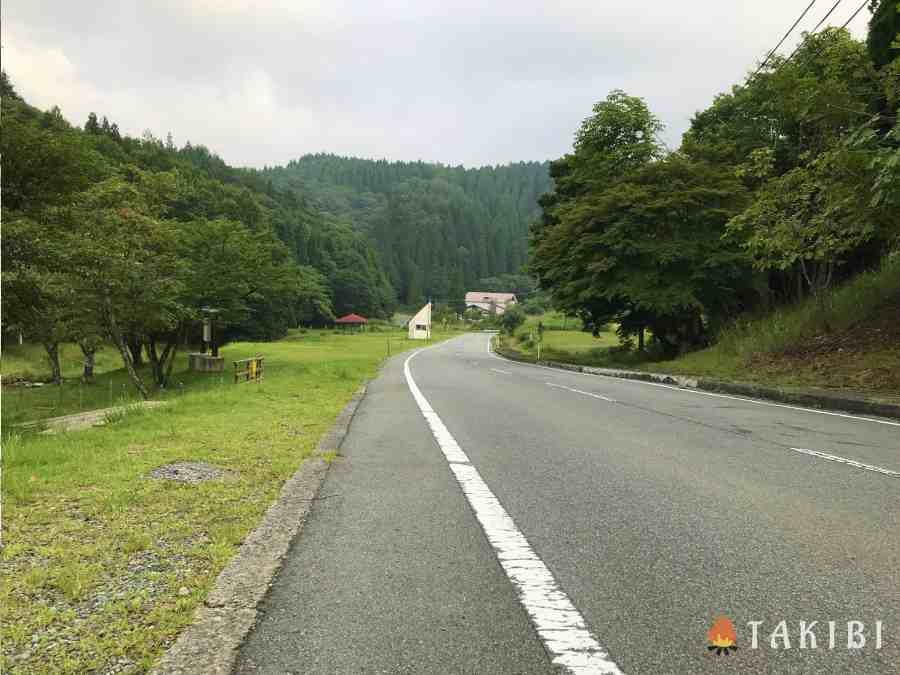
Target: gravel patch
(188, 472)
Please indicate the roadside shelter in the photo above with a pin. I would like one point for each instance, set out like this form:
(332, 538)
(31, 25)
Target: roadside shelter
(420, 324)
(351, 322)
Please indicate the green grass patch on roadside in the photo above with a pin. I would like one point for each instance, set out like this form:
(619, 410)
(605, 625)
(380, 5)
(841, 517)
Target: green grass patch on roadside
(562, 341)
(104, 565)
(848, 339)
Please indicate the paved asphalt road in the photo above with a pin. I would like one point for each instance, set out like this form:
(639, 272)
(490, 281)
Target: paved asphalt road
(655, 510)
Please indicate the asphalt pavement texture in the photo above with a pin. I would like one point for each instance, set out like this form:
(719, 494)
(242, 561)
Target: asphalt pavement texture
(656, 509)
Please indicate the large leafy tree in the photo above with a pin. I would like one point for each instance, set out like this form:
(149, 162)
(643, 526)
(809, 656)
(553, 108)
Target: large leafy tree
(646, 252)
(819, 203)
(35, 298)
(883, 40)
(813, 217)
(577, 244)
(44, 163)
(123, 261)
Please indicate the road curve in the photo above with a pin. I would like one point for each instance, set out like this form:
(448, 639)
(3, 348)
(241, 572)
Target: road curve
(653, 511)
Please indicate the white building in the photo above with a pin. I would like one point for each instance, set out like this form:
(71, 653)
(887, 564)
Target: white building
(489, 303)
(420, 325)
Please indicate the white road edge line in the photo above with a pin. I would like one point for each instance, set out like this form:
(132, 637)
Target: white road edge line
(701, 393)
(578, 391)
(850, 462)
(559, 625)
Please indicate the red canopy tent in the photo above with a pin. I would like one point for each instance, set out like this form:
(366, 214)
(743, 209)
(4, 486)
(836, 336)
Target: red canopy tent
(351, 320)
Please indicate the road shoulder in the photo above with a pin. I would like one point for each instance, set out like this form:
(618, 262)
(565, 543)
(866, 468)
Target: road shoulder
(811, 398)
(211, 643)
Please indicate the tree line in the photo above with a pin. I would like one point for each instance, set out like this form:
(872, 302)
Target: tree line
(783, 186)
(438, 229)
(109, 238)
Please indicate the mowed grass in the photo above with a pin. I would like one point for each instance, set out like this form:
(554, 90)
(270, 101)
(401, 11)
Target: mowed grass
(103, 565)
(29, 361)
(562, 341)
(111, 385)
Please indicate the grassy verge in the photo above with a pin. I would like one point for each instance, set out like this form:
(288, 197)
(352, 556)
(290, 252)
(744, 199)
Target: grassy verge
(848, 340)
(103, 566)
(562, 341)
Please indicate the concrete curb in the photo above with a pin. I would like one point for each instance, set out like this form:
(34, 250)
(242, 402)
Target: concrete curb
(810, 399)
(211, 643)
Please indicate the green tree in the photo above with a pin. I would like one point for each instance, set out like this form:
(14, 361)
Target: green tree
(647, 252)
(41, 166)
(35, 298)
(884, 28)
(123, 260)
(512, 318)
(92, 126)
(811, 218)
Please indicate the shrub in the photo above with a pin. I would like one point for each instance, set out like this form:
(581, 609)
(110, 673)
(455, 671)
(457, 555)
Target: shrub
(511, 319)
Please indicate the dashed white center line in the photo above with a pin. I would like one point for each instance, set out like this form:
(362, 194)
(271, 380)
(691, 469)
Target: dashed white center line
(502, 372)
(583, 393)
(849, 462)
(558, 623)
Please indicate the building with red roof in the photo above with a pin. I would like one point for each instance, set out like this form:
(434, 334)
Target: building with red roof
(351, 321)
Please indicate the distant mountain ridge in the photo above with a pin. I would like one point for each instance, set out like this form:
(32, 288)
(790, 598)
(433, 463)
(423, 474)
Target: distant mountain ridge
(438, 229)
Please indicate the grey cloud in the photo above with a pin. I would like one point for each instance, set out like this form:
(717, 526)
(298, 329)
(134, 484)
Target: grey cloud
(468, 82)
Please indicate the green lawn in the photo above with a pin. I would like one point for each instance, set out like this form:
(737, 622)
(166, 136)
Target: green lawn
(570, 345)
(102, 563)
(29, 361)
(111, 386)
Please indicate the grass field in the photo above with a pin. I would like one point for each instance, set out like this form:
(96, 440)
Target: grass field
(29, 361)
(562, 341)
(110, 387)
(103, 566)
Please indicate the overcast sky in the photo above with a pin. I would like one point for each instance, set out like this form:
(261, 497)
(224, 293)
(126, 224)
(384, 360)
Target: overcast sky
(486, 82)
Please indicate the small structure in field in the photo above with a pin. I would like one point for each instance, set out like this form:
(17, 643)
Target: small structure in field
(249, 370)
(352, 322)
(488, 302)
(208, 361)
(420, 324)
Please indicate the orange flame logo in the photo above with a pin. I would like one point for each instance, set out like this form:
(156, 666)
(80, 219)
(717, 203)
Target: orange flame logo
(722, 638)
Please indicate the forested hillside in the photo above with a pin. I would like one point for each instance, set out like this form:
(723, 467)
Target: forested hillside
(782, 188)
(107, 237)
(438, 229)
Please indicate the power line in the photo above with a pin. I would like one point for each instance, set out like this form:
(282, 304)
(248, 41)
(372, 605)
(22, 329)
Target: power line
(853, 16)
(812, 32)
(781, 41)
(822, 20)
(819, 50)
